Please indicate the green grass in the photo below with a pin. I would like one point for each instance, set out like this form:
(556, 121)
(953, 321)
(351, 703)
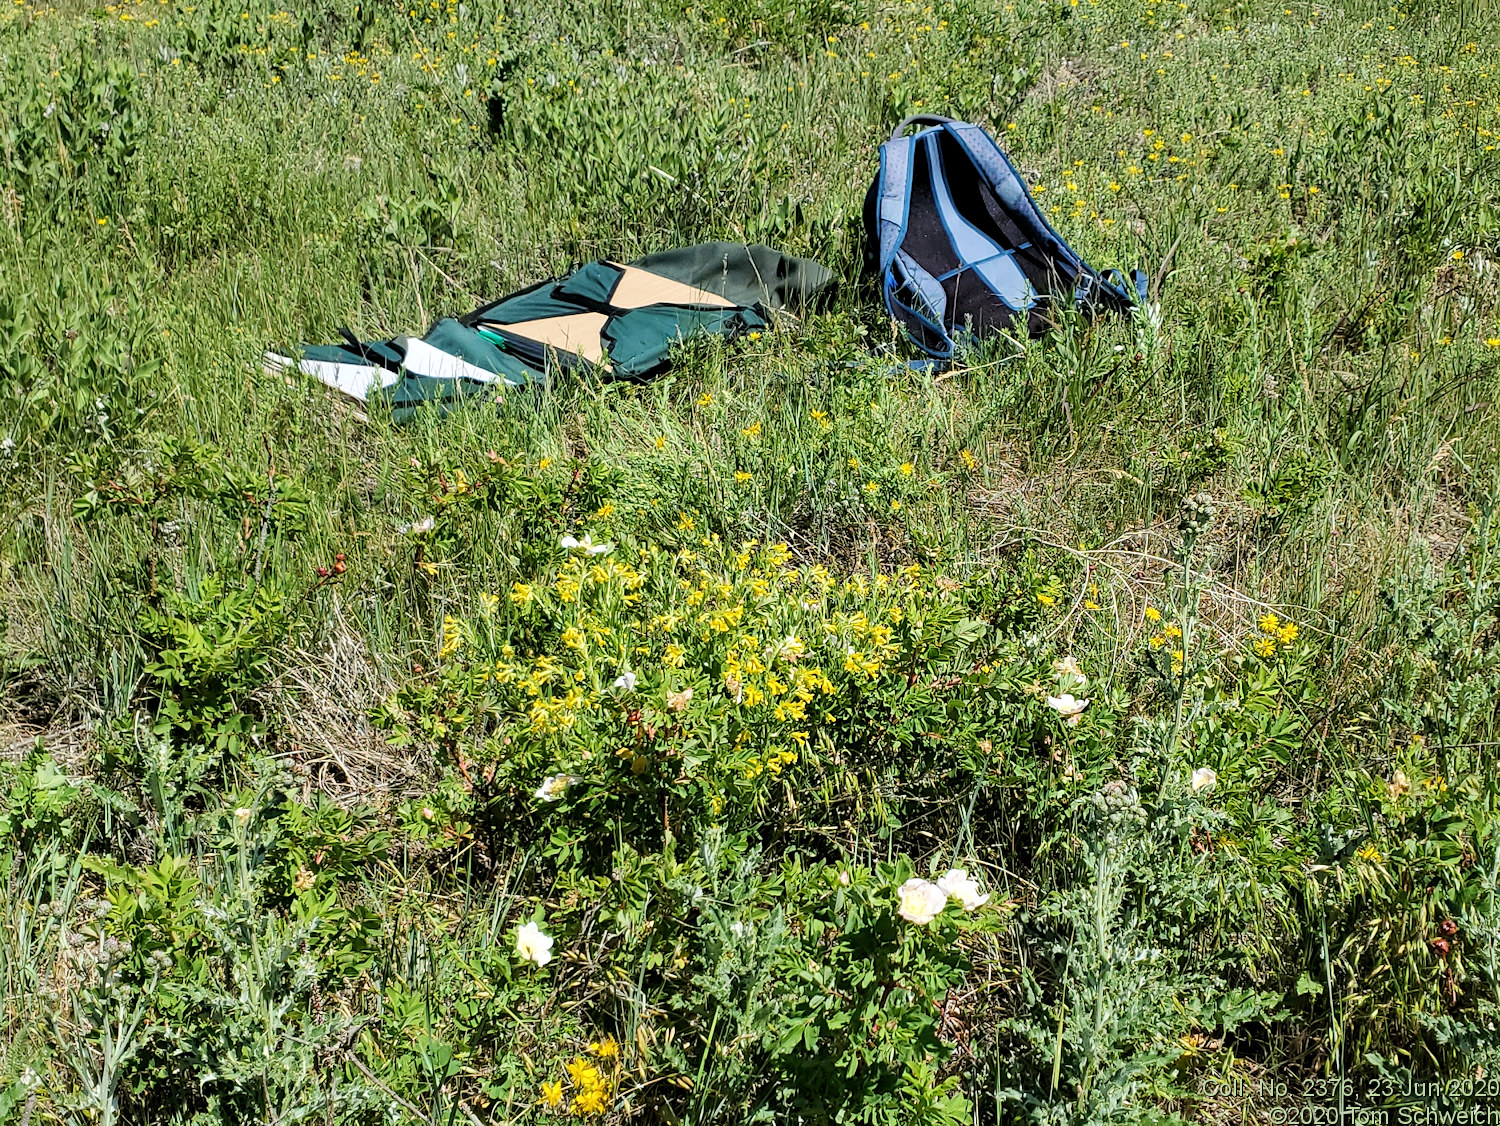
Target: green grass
(268, 835)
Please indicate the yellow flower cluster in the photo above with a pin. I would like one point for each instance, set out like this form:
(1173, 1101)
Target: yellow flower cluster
(453, 638)
(592, 1089)
(728, 635)
(1274, 630)
(772, 763)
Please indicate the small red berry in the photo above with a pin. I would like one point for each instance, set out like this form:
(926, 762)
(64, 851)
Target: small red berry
(1441, 946)
(339, 568)
(339, 558)
(322, 572)
(1448, 927)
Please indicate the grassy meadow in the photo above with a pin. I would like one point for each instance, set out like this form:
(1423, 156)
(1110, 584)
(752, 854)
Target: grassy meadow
(334, 789)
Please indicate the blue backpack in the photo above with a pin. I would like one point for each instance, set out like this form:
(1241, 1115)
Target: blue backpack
(960, 247)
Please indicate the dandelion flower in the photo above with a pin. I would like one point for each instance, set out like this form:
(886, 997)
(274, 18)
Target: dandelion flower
(1204, 778)
(960, 886)
(920, 901)
(532, 945)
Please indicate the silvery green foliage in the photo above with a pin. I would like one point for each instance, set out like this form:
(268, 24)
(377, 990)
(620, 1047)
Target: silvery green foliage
(1196, 514)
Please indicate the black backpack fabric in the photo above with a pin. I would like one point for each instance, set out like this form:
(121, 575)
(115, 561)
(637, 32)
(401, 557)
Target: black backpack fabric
(959, 246)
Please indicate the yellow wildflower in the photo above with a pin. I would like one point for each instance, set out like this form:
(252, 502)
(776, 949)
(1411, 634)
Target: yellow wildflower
(552, 1093)
(520, 594)
(1287, 633)
(1153, 614)
(453, 638)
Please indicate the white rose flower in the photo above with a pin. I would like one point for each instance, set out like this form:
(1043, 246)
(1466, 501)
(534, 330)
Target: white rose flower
(920, 901)
(532, 945)
(1067, 706)
(790, 648)
(585, 545)
(1204, 778)
(554, 786)
(958, 884)
(1067, 671)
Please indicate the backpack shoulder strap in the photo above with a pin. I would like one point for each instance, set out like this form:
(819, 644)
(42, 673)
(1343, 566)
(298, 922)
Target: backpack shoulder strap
(1007, 184)
(893, 204)
(1111, 287)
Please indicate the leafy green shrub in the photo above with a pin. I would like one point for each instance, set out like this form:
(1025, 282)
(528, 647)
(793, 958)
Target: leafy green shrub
(40, 804)
(70, 127)
(78, 357)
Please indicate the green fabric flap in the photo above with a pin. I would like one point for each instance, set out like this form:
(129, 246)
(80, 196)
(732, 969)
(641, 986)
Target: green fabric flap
(529, 305)
(465, 343)
(639, 340)
(594, 282)
(412, 392)
(745, 274)
(376, 354)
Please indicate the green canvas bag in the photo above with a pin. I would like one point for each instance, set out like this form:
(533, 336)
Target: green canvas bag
(622, 318)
